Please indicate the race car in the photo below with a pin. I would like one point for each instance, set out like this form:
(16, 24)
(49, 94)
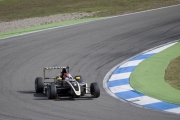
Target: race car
(60, 86)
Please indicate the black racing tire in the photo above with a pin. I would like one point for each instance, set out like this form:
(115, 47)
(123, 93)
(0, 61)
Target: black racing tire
(51, 91)
(39, 85)
(94, 89)
(80, 80)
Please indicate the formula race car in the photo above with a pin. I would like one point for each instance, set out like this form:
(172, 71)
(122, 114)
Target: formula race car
(64, 85)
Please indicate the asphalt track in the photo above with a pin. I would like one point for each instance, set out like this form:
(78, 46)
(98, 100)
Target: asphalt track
(91, 50)
(42, 27)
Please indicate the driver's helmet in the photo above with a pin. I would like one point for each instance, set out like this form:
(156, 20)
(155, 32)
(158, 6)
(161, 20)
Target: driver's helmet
(68, 76)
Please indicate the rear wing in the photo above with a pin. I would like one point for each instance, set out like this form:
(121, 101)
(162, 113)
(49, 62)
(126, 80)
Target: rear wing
(52, 68)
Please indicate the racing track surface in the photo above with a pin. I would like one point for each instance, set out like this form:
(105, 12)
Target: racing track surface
(91, 50)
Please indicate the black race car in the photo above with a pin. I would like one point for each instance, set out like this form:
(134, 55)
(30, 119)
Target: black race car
(72, 86)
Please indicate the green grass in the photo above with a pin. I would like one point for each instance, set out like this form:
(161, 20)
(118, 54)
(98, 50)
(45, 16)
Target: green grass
(172, 74)
(20, 9)
(149, 76)
(46, 26)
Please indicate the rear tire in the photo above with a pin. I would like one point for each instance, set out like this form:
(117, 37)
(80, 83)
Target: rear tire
(94, 89)
(51, 91)
(39, 85)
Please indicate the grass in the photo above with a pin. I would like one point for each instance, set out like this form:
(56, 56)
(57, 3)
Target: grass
(20, 9)
(41, 27)
(172, 74)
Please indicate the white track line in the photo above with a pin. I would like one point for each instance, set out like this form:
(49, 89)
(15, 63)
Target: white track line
(91, 21)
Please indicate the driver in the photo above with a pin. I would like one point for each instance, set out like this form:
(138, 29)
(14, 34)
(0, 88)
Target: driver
(62, 73)
(65, 75)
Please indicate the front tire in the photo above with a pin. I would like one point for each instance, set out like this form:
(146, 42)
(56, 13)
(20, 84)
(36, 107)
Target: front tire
(39, 85)
(94, 89)
(51, 91)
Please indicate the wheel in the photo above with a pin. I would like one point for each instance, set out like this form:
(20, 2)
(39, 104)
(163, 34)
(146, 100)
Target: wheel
(51, 91)
(39, 85)
(78, 78)
(94, 89)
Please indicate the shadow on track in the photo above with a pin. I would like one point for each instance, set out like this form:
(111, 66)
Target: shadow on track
(41, 96)
(38, 96)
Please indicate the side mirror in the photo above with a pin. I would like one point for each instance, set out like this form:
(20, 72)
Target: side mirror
(59, 78)
(77, 78)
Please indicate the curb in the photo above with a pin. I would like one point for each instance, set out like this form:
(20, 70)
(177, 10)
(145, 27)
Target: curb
(116, 83)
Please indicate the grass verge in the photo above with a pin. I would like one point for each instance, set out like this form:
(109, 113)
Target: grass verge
(52, 25)
(20, 9)
(172, 74)
(148, 76)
